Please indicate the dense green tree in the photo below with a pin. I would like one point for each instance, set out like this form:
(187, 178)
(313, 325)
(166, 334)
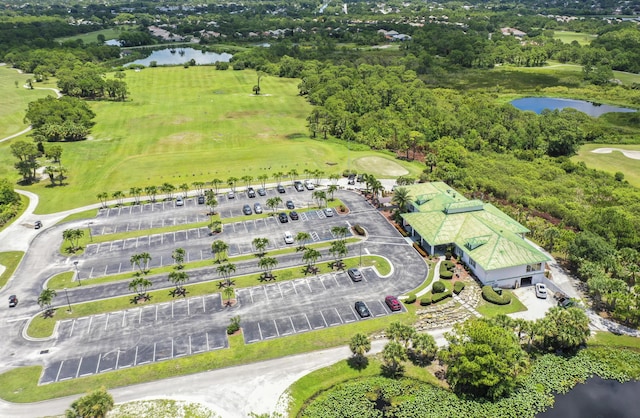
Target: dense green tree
(95, 404)
(64, 119)
(565, 329)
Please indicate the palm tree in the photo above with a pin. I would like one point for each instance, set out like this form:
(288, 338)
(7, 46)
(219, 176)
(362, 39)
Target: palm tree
(141, 261)
(359, 345)
(95, 404)
(231, 182)
(225, 271)
(179, 278)
(401, 198)
(310, 256)
(263, 180)
(423, 348)
(320, 196)
(267, 264)
(393, 354)
(293, 173)
(338, 250)
(168, 189)
(219, 248)
(334, 177)
(228, 293)
(317, 174)
(247, 180)
(139, 285)
(103, 198)
(260, 244)
(331, 189)
(278, 175)
(302, 238)
(178, 257)
(340, 232)
(198, 185)
(211, 201)
(151, 191)
(135, 192)
(73, 236)
(51, 172)
(274, 202)
(46, 299)
(216, 184)
(184, 188)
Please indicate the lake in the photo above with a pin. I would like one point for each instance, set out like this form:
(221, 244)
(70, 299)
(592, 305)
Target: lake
(537, 104)
(597, 398)
(182, 55)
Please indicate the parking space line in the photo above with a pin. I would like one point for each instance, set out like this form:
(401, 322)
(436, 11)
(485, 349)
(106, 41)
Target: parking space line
(154, 351)
(260, 331)
(190, 348)
(280, 289)
(156, 315)
(206, 334)
(335, 279)
(339, 317)
(120, 268)
(90, 321)
(124, 317)
(171, 309)
(276, 325)
(78, 370)
(117, 359)
(59, 368)
(91, 273)
(73, 323)
(308, 285)
(204, 305)
(171, 348)
(135, 356)
(292, 326)
(98, 363)
(140, 316)
(356, 315)
(106, 324)
(105, 269)
(384, 311)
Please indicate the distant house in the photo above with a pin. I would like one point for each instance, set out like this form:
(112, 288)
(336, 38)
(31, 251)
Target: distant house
(488, 241)
(511, 31)
(392, 35)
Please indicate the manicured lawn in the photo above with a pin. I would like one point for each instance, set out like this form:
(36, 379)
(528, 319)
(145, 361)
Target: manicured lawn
(15, 99)
(184, 125)
(612, 340)
(87, 214)
(612, 162)
(567, 37)
(92, 37)
(10, 261)
(490, 309)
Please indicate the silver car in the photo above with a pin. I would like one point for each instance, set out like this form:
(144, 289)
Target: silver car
(257, 208)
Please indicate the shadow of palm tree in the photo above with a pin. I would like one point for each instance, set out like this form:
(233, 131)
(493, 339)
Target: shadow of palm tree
(358, 362)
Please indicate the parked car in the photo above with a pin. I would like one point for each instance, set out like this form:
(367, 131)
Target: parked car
(355, 274)
(393, 303)
(246, 209)
(294, 215)
(328, 212)
(298, 186)
(283, 217)
(352, 179)
(201, 200)
(280, 188)
(362, 309)
(262, 191)
(541, 290)
(565, 302)
(37, 224)
(288, 238)
(231, 195)
(290, 204)
(13, 301)
(257, 208)
(309, 185)
(251, 192)
(179, 201)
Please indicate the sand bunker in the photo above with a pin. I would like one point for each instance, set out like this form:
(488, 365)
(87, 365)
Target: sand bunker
(634, 155)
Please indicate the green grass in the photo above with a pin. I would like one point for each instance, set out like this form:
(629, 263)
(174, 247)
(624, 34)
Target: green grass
(185, 125)
(40, 327)
(612, 162)
(567, 37)
(92, 37)
(20, 384)
(490, 309)
(87, 214)
(10, 260)
(14, 102)
(608, 339)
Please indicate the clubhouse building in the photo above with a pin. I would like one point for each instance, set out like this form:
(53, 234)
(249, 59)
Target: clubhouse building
(488, 241)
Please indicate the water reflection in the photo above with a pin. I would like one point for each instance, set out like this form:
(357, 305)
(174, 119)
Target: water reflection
(538, 104)
(168, 56)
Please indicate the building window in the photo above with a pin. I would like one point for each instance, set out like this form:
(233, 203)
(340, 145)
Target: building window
(472, 263)
(534, 267)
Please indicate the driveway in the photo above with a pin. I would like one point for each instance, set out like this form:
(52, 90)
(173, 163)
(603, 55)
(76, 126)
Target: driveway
(536, 308)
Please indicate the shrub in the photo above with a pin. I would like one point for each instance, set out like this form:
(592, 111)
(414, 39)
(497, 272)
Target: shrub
(411, 298)
(234, 325)
(401, 230)
(426, 300)
(437, 297)
(457, 287)
(491, 296)
(447, 265)
(419, 249)
(438, 287)
(359, 230)
(446, 274)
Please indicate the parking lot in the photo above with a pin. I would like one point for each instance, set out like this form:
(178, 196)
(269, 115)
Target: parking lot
(122, 339)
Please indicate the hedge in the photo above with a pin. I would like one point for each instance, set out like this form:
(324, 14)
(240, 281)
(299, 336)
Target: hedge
(411, 298)
(401, 230)
(438, 287)
(419, 249)
(491, 296)
(457, 287)
(447, 265)
(426, 299)
(359, 230)
(446, 275)
(437, 297)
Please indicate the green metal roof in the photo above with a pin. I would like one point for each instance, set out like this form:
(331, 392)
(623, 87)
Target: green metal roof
(490, 237)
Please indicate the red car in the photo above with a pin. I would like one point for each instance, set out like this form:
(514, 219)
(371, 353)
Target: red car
(393, 303)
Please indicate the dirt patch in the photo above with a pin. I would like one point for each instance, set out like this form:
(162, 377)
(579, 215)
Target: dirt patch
(380, 165)
(181, 120)
(181, 138)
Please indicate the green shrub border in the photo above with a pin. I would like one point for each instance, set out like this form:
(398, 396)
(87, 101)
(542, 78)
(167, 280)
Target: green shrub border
(491, 296)
(419, 249)
(457, 287)
(437, 297)
(411, 298)
(438, 287)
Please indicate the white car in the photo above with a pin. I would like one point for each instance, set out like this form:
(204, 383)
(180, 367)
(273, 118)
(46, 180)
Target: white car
(541, 291)
(309, 185)
(288, 238)
(179, 201)
(328, 212)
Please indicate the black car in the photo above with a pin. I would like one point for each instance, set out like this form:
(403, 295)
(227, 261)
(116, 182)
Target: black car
(13, 301)
(37, 224)
(246, 209)
(352, 179)
(283, 218)
(362, 309)
(262, 191)
(201, 200)
(290, 204)
(355, 274)
(298, 186)
(293, 215)
(251, 192)
(280, 188)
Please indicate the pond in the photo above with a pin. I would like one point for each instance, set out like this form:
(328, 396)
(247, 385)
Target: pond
(537, 104)
(178, 56)
(597, 398)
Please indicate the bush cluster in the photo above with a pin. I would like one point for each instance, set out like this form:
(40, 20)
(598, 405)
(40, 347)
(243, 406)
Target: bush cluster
(446, 270)
(426, 300)
(457, 287)
(438, 287)
(437, 297)
(359, 230)
(491, 296)
(234, 325)
(411, 298)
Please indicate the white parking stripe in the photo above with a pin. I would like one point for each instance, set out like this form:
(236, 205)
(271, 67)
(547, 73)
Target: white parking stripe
(292, 326)
(260, 331)
(325, 321)
(339, 317)
(307, 318)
